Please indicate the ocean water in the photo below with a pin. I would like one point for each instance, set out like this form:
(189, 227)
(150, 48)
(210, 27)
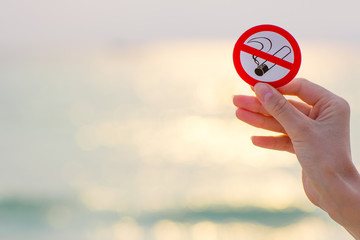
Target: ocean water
(141, 142)
(52, 219)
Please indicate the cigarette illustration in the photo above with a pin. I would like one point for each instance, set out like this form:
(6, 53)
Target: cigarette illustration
(266, 45)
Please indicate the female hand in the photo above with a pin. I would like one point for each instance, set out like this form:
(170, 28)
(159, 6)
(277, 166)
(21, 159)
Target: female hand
(317, 131)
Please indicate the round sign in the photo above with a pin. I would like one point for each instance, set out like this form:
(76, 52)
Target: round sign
(267, 53)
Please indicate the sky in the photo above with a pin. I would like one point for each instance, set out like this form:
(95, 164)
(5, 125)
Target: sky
(41, 23)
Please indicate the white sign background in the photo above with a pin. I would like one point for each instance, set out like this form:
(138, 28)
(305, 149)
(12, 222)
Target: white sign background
(275, 73)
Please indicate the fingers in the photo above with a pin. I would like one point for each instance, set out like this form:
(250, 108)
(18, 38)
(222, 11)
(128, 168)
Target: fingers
(293, 121)
(288, 114)
(281, 143)
(249, 103)
(252, 104)
(307, 91)
(259, 120)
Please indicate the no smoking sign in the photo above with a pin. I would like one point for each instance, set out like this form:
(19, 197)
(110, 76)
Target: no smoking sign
(267, 53)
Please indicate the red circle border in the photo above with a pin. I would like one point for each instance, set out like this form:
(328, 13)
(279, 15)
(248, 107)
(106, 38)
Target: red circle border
(261, 28)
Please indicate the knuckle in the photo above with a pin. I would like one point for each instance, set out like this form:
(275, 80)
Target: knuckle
(280, 107)
(302, 81)
(342, 106)
(345, 106)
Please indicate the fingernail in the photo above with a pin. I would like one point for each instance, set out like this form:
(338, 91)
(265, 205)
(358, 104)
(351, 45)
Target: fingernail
(263, 91)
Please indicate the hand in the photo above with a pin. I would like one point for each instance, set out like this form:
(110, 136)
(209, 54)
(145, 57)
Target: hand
(317, 131)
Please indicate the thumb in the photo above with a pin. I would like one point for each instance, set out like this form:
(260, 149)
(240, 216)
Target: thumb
(288, 116)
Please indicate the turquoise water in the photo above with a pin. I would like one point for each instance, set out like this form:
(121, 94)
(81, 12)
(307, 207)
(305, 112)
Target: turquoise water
(44, 219)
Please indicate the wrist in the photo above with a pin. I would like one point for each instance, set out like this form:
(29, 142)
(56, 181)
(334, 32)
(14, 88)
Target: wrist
(342, 196)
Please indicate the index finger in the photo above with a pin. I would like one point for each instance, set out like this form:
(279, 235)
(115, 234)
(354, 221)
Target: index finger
(307, 91)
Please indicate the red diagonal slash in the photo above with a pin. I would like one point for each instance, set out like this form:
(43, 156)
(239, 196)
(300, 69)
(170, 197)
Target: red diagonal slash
(266, 56)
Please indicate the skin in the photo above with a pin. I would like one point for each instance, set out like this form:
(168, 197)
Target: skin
(317, 130)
